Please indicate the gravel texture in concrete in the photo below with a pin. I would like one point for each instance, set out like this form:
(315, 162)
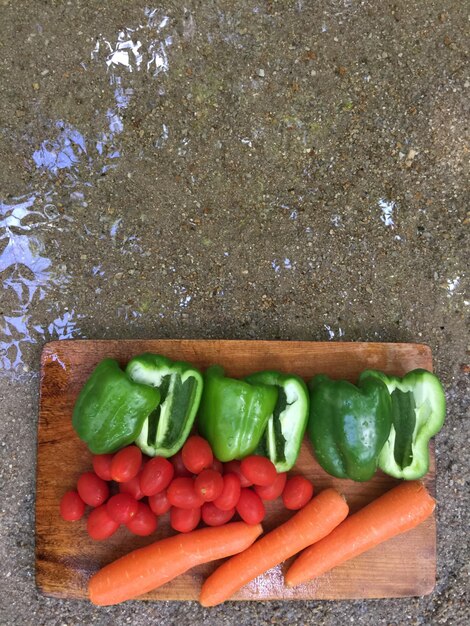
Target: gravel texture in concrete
(233, 169)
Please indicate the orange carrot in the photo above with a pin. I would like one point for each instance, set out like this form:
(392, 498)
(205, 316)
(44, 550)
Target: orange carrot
(147, 568)
(400, 509)
(314, 521)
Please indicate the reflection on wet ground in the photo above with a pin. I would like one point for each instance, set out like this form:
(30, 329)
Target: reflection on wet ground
(28, 272)
(25, 265)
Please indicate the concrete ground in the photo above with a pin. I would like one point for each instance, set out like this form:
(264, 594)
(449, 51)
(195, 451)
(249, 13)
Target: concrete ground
(233, 169)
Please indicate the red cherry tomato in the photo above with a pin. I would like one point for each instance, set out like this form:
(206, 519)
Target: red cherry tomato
(156, 476)
(197, 454)
(122, 507)
(213, 516)
(230, 493)
(144, 521)
(272, 491)
(259, 470)
(184, 520)
(126, 464)
(72, 506)
(233, 467)
(297, 492)
(132, 487)
(218, 466)
(180, 469)
(209, 484)
(102, 465)
(182, 494)
(91, 489)
(159, 503)
(250, 507)
(100, 525)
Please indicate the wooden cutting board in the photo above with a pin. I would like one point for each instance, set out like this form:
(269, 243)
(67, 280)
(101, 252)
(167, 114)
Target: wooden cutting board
(66, 557)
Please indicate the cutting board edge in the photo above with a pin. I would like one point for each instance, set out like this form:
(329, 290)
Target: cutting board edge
(427, 590)
(50, 346)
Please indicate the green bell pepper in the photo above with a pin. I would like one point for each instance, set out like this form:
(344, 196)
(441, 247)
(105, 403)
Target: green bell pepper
(234, 413)
(283, 435)
(180, 385)
(418, 413)
(111, 408)
(349, 425)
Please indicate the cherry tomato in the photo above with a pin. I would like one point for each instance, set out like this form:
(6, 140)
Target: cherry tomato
(209, 484)
(122, 507)
(156, 476)
(126, 464)
(297, 492)
(91, 489)
(159, 503)
(218, 466)
(102, 465)
(230, 493)
(233, 467)
(272, 491)
(72, 506)
(182, 494)
(259, 470)
(132, 487)
(197, 454)
(100, 525)
(213, 516)
(144, 521)
(184, 520)
(250, 507)
(180, 469)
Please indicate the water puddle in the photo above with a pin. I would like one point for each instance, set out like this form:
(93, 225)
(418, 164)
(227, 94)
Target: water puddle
(387, 208)
(452, 285)
(283, 264)
(332, 333)
(27, 273)
(68, 163)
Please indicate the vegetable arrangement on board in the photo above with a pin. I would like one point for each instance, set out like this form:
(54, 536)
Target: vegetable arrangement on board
(138, 424)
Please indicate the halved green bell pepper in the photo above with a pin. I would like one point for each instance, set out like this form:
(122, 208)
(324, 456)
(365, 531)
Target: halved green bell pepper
(349, 425)
(418, 413)
(180, 385)
(233, 414)
(283, 435)
(111, 408)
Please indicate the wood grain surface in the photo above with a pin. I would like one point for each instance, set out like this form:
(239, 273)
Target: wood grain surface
(66, 557)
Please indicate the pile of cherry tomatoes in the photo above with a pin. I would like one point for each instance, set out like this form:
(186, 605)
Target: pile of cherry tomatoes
(192, 485)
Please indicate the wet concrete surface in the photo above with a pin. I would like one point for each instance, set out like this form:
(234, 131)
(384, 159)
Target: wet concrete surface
(292, 170)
